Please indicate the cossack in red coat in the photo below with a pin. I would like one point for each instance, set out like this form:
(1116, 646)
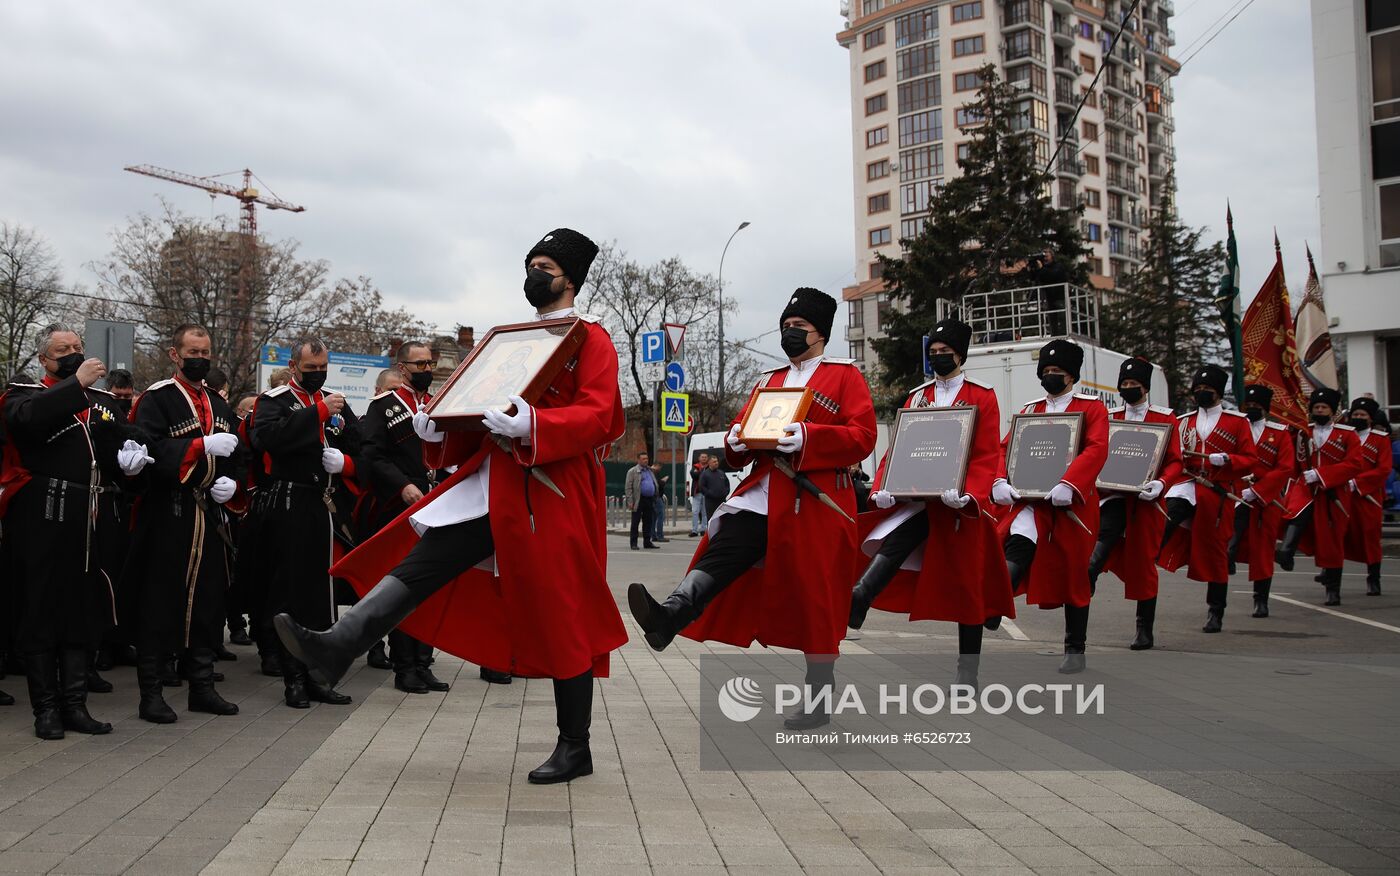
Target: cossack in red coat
(1337, 461)
(959, 575)
(547, 612)
(1363, 539)
(1059, 574)
(1276, 463)
(800, 597)
(1134, 558)
(1203, 547)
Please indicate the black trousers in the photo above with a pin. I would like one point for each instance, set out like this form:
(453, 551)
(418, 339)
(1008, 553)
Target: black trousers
(443, 553)
(906, 538)
(644, 515)
(742, 540)
(1113, 521)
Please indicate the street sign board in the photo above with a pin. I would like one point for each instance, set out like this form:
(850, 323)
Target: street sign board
(675, 332)
(653, 346)
(112, 342)
(652, 372)
(675, 376)
(675, 411)
(350, 374)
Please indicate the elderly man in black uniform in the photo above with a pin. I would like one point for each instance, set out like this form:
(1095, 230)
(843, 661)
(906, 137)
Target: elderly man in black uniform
(178, 570)
(66, 443)
(309, 441)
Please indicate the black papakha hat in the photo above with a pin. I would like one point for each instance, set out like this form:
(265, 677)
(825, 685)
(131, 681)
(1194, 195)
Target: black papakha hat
(813, 305)
(953, 332)
(1062, 353)
(1136, 368)
(1213, 376)
(570, 250)
(1258, 392)
(1323, 395)
(1369, 405)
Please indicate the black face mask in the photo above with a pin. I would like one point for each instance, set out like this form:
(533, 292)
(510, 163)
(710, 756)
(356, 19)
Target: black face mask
(1054, 383)
(124, 405)
(539, 288)
(1132, 395)
(1205, 398)
(1359, 425)
(68, 365)
(420, 380)
(1321, 419)
(194, 370)
(943, 363)
(1254, 414)
(795, 341)
(312, 380)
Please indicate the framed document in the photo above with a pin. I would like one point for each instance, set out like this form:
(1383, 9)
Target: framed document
(519, 359)
(1135, 452)
(928, 451)
(1041, 448)
(768, 411)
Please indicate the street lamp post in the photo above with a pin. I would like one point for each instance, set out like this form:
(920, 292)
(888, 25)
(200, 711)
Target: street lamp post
(742, 226)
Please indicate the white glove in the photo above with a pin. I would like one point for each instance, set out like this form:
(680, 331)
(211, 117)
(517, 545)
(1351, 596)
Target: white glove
(332, 460)
(517, 426)
(1151, 491)
(1061, 495)
(732, 439)
(1004, 494)
(222, 490)
(220, 444)
(1311, 476)
(792, 441)
(953, 499)
(1249, 496)
(426, 429)
(1352, 484)
(133, 457)
(1219, 459)
(882, 499)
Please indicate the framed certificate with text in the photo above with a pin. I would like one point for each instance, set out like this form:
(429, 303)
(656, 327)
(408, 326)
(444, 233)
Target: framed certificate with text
(768, 411)
(1040, 450)
(928, 451)
(1135, 453)
(519, 359)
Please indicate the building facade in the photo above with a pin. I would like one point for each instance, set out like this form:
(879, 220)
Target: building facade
(1356, 70)
(914, 66)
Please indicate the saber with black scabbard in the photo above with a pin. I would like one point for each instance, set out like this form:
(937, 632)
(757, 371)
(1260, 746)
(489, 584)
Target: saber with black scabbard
(805, 483)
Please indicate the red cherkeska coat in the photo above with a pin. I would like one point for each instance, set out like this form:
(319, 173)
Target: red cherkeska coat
(1337, 461)
(961, 575)
(1276, 464)
(1134, 558)
(1363, 539)
(1204, 546)
(548, 612)
(1059, 574)
(800, 597)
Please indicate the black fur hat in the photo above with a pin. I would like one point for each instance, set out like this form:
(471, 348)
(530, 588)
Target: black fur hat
(1213, 376)
(1136, 368)
(813, 305)
(1257, 392)
(1064, 353)
(570, 250)
(955, 333)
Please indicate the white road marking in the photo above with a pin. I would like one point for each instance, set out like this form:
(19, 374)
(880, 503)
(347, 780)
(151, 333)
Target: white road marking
(1350, 617)
(1014, 631)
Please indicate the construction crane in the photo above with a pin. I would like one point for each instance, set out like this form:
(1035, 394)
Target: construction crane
(248, 197)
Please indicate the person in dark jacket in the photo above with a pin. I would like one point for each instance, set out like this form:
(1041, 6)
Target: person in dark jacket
(714, 486)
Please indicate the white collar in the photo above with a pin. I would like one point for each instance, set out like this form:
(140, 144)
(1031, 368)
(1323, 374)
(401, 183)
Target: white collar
(1210, 412)
(806, 364)
(1139, 408)
(949, 382)
(555, 314)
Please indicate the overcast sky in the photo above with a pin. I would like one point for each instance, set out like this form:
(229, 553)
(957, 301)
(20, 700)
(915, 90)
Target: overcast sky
(432, 144)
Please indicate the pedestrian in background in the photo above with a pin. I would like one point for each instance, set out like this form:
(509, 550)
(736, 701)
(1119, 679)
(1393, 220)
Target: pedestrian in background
(698, 517)
(658, 530)
(640, 493)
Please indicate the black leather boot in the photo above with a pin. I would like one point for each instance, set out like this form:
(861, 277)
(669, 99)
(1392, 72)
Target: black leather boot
(238, 631)
(1288, 546)
(169, 672)
(6, 699)
(1261, 597)
(494, 676)
(328, 655)
(376, 658)
(323, 693)
(403, 653)
(1332, 580)
(222, 653)
(1019, 552)
(969, 654)
(1146, 616)
(1373, 579)
(73, 672)
(203, 697)
(1076, 635)
(424, 666)
(153, 706)
(95, 682)
(1215, 607)
(294, 683)
(41, 671)
(820, 687)
(573, 709)
(1097, 560)
(876, 577)
(661, 621)
(269, 649)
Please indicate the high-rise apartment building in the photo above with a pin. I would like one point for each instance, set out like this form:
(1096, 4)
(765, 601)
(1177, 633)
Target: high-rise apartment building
(1356, 74)
(914, 65)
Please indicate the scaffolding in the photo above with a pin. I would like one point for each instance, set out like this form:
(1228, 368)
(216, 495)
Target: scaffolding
(1028, 313)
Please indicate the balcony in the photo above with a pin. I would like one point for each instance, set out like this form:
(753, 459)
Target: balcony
(1062, 5)
(1062, 31)
(1127, 53)
(1066, 96)
(1157, 170)
(1133, 217)
(1064, 62)
(1023, 13)
(1157, 142)
(1069, 167)
(1167, 6)
(1123, 183)
(1120, 82)
(1119, 147)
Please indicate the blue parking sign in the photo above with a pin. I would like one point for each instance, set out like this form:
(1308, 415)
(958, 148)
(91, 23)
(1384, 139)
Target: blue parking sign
(653, 346)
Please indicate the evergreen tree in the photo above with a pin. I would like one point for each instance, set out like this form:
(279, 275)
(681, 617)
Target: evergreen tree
(1166, 310)
(994, 227)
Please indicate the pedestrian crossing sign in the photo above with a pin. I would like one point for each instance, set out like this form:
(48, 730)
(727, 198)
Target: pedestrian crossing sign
(675, 411)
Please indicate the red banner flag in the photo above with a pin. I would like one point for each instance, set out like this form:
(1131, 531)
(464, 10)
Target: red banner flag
(1271, 350)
